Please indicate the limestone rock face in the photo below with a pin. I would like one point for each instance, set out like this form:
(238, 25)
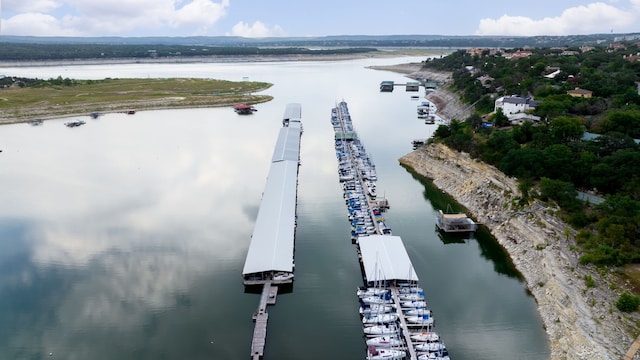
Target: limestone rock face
(581, 322)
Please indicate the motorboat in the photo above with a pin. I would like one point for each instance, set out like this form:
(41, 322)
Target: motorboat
(75, 123)
(384, 341)
(283, 276)
(425, 336)
(381, 329)
(380, 319)
(374, 353)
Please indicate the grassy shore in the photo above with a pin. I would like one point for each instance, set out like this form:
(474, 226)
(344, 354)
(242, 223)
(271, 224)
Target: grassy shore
(21, 104)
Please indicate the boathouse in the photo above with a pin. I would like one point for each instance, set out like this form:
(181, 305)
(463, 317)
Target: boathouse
(412, 86)
(386, 86)
(271, 252)
(385, 260)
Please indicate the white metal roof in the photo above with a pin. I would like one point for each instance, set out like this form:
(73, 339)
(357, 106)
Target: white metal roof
(288, 144)
(293, 111)
(272, 242)
(385, 258)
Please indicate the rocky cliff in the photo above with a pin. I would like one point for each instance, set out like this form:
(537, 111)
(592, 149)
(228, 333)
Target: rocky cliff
(581, 320)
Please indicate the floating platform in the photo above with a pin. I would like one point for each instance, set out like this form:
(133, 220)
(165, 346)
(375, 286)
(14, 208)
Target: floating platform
(455, 223)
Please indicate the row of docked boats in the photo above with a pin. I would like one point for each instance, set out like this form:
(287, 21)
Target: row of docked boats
(357, 173)
(425, 112)
(396, 321)
(385, 338)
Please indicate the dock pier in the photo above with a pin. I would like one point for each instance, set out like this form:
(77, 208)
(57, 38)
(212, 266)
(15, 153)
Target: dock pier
(260, 318)
(270, 258)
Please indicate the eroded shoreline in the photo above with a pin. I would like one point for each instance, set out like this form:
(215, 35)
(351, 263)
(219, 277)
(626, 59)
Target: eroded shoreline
(581, 322)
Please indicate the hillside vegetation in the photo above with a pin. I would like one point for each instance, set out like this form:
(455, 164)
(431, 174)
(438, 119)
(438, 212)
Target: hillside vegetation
(551, 155)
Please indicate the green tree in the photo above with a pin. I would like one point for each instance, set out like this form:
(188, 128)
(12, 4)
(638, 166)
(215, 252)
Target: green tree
(627, 302)
(565, 129)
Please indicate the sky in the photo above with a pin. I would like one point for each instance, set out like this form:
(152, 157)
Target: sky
(302, 18)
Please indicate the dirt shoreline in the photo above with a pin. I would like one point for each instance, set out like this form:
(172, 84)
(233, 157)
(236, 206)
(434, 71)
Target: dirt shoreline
(581, 322)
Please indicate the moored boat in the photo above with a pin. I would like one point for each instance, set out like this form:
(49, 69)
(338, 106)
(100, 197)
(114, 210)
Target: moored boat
(425, 336)
(381, 330)
(384, 341)
(430, 347)
(380, 319)
(374, 353)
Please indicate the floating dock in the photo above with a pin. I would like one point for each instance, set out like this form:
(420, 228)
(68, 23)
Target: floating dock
(270, 258)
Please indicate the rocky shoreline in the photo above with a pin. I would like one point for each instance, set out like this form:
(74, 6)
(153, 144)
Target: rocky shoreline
(581, 321)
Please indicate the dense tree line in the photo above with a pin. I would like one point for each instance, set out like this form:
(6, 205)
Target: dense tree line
(27, 51)
(552, 159)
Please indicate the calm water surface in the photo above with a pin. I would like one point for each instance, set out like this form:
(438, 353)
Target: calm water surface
(125, 238)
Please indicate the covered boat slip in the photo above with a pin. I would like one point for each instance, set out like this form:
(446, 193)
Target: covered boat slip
(385, 260)
(271, 251)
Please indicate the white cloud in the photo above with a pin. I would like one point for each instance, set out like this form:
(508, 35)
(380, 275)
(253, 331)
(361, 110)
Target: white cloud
(35, 24)
(119, 17)
(589, 19)
(33, 6)
(257, 30)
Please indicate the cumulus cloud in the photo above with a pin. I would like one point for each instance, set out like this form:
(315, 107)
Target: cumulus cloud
(116, 17)
(35, 24)
(33, 6)
(589, 19)
(257, 30)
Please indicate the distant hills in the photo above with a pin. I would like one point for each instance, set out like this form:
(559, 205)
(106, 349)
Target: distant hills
(437, 41)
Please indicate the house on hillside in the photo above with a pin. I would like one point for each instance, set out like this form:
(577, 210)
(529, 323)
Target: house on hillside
(577, 92)
(514, 104)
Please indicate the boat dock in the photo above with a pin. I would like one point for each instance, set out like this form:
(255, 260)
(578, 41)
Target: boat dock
(260, 317)
(270, 258)
(396, 321)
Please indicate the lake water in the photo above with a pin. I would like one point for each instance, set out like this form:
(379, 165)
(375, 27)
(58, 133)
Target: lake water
(125, 238)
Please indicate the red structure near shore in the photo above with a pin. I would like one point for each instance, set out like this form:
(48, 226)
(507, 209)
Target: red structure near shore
(244, 109)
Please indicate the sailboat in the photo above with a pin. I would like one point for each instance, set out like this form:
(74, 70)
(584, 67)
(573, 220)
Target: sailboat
(374, 353)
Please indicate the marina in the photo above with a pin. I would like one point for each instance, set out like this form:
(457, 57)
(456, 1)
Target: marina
(270, 258)
(396, 321)
(148, 218)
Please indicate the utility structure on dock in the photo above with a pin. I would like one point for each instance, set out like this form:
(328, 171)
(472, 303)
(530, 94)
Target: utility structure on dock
(270, 258)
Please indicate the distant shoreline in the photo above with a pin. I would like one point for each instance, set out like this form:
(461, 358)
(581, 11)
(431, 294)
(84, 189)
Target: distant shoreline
(222, 59)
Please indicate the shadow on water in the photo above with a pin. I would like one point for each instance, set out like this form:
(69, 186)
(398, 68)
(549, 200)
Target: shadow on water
(490, 249)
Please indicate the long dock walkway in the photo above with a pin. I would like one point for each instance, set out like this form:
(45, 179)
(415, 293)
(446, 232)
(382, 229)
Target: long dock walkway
(403, 324)
(260, 317)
